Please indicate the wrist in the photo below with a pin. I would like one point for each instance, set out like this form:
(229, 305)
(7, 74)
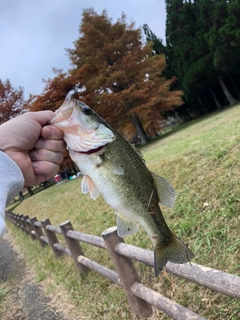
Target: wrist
(5, 142)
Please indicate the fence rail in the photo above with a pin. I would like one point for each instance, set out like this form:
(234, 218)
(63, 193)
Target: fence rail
(140, 297)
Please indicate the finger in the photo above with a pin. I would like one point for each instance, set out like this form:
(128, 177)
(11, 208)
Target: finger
(42, 117)
(45, 170)
(46, 155)
(53, 133)
(52, 145)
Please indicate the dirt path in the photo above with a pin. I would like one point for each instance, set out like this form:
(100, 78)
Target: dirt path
(24, 300)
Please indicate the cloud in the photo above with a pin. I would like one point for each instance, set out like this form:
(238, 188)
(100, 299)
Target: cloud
(34, 34)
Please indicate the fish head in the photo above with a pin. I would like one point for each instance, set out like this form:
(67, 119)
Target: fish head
(84, 130)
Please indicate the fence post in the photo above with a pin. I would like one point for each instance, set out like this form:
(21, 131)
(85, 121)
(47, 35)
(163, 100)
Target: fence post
(26, 217)
(73, 246)
(18, 222)
(52, 238)
(7, 215)
(31, 230)
(127, 273)
(38, 231)
(21, 221)
(24, 224)
(12, 218)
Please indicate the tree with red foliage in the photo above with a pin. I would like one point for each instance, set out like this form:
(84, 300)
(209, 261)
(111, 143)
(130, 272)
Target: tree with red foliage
(54, 92)
(116, 75)
(11, 101)
(120, 77)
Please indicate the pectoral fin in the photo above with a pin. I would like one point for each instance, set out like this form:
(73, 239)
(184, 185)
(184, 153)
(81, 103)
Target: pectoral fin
(87, 185)
(113, 166)
(165, 190)
(125, 227)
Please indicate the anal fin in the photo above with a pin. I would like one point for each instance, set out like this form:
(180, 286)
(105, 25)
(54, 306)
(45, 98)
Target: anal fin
(125, 227)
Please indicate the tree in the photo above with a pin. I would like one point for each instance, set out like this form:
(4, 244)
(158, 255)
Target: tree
(223, 55)
(197, 52)
(11, 101)
(225, 38)
(157, 44)
(54, 92)
(118, 75)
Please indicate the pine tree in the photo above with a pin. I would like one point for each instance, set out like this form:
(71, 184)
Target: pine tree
(221, 50)
(198, 51)
(157, 44)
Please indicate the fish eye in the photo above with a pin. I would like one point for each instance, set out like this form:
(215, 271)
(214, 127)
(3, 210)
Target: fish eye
(87, 111)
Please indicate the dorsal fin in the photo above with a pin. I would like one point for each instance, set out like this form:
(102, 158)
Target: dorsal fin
(165, 190)
(138, 152)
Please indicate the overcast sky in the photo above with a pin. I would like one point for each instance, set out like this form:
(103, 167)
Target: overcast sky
(34, 33)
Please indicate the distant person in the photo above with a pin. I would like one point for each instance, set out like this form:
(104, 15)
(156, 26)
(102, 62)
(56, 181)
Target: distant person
(30, 153)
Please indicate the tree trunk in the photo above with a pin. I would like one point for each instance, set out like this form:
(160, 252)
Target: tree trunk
(228, 95)
(139, 128)
(45, 184)
(218, 105)
(29, 189)
(234, 86)
(183, 113)
(154, 130)
(209, 105)
(21, 196)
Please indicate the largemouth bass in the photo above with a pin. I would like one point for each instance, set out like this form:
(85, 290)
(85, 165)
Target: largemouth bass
(116, 170)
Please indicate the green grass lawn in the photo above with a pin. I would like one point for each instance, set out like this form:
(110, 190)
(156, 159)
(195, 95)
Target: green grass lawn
(201, 160)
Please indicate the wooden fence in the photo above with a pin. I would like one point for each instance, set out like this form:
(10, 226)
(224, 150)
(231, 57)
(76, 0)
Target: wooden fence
(140, 297)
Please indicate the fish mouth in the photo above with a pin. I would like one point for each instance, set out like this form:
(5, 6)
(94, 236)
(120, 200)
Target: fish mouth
(91, 151)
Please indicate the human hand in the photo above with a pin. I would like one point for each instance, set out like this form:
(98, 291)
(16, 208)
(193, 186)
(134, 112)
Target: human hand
(36, 149)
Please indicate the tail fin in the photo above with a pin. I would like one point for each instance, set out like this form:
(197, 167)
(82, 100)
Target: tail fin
(175, 251)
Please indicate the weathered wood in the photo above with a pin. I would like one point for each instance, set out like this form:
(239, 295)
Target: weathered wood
(23, 224)
(225, 283)
(63, 249)
(16, 220)
(26, 217)
(169, 307)
(44, 239)
(52, 238)
(127, 274)
(121, 253)
(87, 238)
(21, 221)
(37, 230)
(135, 253)
(38, 224)
(10, 216)
(31, 229)
(73, 246)
(54, 229)
(104, 271)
